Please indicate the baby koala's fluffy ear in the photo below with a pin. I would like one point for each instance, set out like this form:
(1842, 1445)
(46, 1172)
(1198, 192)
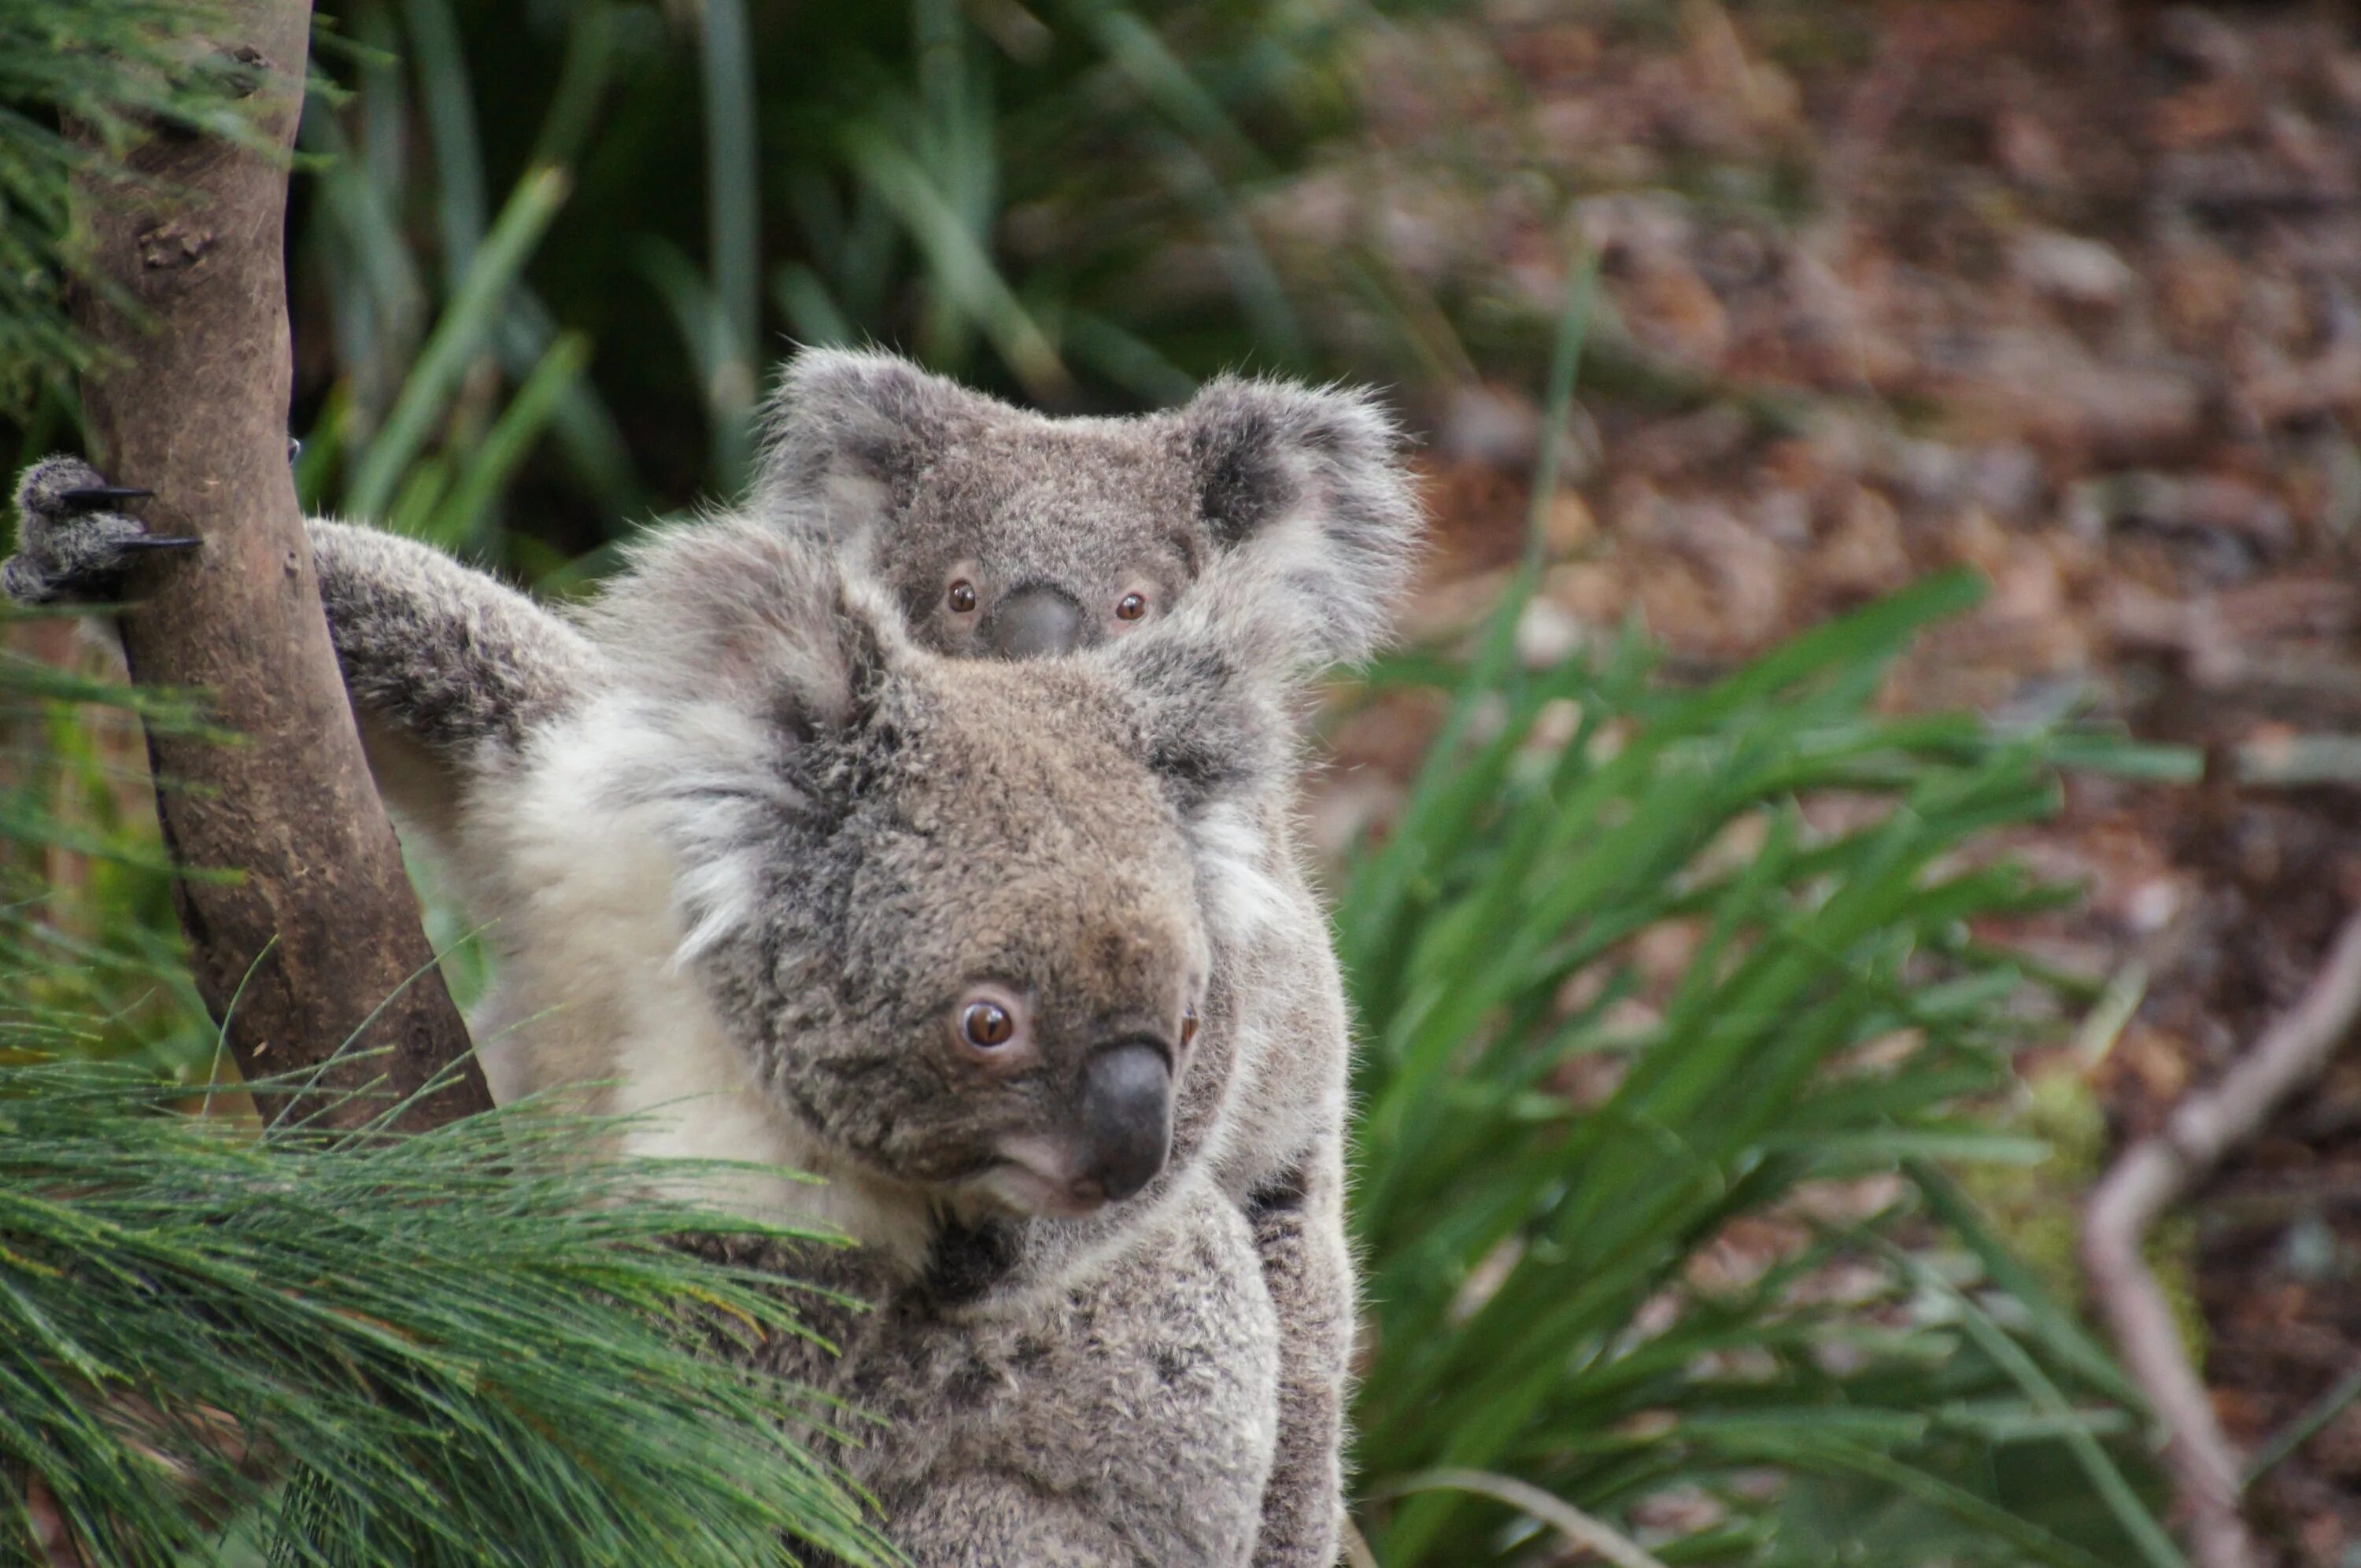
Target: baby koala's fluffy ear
(1307, 490)
(847, 432)
(1205, 717)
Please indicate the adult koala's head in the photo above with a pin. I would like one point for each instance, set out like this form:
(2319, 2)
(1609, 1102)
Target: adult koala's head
(1005, 534)
(960, 914)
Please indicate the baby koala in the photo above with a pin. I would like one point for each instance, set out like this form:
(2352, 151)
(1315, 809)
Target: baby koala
(1005, 534)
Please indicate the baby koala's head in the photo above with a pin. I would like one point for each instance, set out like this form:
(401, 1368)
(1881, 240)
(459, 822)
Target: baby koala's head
(1003, 533)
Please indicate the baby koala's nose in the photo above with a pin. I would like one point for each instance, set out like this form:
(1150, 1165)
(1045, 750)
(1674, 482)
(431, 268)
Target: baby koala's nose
(1033, 622)
(1126, 1108)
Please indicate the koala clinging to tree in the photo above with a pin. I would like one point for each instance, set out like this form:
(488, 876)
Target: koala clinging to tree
(947, 932)
(997, 532)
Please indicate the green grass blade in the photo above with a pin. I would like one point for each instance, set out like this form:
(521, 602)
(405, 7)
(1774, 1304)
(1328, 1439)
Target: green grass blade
(457, 337)
(733, 217)
(2154, 1544)
(458, 523)
(966, 271)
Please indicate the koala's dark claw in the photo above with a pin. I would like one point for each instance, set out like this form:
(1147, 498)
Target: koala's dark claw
(98, 498)
(76, 542)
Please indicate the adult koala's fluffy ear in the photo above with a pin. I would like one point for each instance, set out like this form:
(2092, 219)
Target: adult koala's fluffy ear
(847, 434)
(737, 611)
(741, 648)
(1308, 487)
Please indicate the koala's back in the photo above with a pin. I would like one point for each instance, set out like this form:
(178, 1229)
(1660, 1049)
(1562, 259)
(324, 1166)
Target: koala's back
(1126, 1415)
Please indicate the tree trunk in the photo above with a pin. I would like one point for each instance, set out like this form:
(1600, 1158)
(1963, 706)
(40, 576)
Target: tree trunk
(316, 954)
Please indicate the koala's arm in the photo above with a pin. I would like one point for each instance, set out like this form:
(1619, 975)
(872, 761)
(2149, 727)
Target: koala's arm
(1298, 1232)
(449, 669)
(450, 656)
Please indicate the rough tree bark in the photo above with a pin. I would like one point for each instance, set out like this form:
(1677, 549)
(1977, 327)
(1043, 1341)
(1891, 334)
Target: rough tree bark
(319, 947)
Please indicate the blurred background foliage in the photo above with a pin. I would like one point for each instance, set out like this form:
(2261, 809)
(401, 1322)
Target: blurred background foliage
(544, 254)
(1681, 1019)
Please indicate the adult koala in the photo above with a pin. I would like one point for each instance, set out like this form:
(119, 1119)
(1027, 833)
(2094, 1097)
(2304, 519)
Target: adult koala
(1003, 533)
(1287, 504)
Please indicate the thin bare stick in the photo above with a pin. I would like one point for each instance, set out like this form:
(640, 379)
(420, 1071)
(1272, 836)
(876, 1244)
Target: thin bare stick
(2154, 1173)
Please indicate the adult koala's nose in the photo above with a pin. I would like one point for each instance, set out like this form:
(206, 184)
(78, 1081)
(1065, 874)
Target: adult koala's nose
(1126, 1108)
(1032, 621)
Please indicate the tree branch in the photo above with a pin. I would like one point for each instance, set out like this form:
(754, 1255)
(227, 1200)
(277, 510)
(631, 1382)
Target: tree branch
(319, 945)
(2155, 1172)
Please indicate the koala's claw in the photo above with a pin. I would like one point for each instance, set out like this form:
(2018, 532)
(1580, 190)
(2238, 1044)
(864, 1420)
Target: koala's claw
(72, 545)
(96, 498)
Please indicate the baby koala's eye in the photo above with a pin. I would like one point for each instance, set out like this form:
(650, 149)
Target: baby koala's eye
(962, 596)
(1131, 608)
(986, 1024)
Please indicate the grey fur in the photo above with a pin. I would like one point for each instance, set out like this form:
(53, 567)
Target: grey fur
(1111, 1421)
(463, 660)
(701, 707)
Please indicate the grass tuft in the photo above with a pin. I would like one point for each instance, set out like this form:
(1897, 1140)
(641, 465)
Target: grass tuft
(1673, 1011)
(463, 1346)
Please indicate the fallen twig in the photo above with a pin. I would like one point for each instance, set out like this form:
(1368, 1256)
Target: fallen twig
(2294, 761)
(2154, 1172)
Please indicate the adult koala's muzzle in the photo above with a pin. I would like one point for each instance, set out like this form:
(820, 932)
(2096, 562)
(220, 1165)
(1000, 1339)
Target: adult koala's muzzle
(1126, 1116)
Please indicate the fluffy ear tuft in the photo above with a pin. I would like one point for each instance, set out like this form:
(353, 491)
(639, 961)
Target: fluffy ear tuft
(847, 432)
(753, 615)
(1201, 722)
(743, 651)
(1310, 485)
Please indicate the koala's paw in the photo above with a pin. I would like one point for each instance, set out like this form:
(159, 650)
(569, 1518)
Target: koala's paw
(73, 546)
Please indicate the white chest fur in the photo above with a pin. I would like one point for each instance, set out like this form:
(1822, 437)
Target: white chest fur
(583, 903)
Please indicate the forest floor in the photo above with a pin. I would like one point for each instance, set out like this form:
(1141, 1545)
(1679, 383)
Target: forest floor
(2067, 290)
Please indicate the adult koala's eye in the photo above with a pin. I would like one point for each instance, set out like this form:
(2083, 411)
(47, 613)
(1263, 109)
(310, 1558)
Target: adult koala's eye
(1131, 608)
(986, 1024)
(962, 596)
(990, 1024)
(1188, 1027)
